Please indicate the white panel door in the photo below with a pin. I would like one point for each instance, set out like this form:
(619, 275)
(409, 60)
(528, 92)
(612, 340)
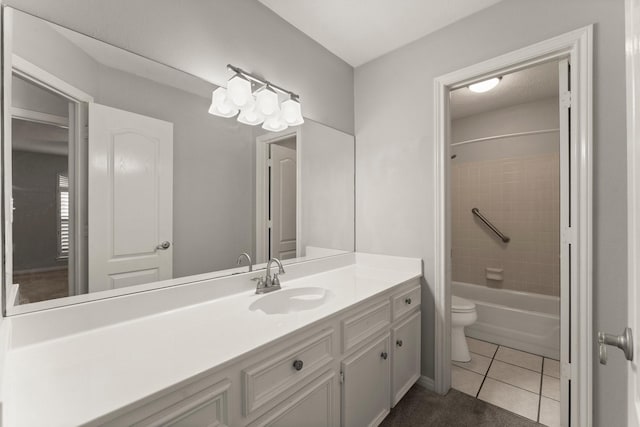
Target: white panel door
(283, 201)
(633, 191)
(130, 198)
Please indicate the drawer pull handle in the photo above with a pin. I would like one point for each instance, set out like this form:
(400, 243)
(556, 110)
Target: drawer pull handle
(297, 365)
(384, 355)
(399, 343)
(407, 301)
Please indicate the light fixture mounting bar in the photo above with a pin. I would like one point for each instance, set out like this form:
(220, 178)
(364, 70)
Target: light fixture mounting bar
(257, 79)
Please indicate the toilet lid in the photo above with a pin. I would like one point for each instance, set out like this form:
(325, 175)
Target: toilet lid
(460, 304)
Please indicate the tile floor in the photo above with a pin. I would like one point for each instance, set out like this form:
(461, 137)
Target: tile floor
(523, 383)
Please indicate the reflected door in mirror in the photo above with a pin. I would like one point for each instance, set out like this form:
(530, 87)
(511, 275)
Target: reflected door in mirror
(130, 203)
(282, 189)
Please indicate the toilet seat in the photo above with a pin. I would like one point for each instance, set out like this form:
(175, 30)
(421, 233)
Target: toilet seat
(461, 305)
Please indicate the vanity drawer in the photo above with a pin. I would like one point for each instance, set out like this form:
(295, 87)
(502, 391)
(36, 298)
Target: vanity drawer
(364, 324)
(263, 382)
(406, 301)
(203, 403)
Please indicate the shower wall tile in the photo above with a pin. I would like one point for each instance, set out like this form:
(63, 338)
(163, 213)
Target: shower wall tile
(521, 196)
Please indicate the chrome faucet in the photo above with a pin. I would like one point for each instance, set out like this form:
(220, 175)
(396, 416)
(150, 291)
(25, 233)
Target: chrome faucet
(269, 284)
(248, 257)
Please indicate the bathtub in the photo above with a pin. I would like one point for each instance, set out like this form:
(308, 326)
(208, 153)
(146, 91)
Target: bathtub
(521, 320)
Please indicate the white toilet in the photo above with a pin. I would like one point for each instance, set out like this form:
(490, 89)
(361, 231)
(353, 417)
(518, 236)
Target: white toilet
(463, 313)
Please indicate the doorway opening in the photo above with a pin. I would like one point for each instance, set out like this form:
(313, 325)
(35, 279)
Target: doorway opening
(278, 196)
(44, 186)
(40, 175)
(282, 166)
(571, 53)
(505, 241)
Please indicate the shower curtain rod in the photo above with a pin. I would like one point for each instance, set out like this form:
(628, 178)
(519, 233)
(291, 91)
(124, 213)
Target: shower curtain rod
(508, 135)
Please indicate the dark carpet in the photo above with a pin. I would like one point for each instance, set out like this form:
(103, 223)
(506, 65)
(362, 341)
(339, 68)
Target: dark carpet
(420, 407)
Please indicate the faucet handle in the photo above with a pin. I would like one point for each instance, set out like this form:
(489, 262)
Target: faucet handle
(275, 281)
(260, 280)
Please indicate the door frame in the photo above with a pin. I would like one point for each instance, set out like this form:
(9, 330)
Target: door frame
(576, 45)
(262, 190)
(12, 63)
(632, 29)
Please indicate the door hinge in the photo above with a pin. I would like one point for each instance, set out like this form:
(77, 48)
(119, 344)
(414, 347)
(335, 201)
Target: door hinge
(568, 235)
(565, 371)
(565, 99)
(269, 163)
(269, 224)
(341, 377)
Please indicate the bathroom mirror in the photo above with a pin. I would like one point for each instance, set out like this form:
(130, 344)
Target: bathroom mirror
(117, 180)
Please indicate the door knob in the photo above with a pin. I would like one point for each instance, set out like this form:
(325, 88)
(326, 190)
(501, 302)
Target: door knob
(164, 245)
(624, 342)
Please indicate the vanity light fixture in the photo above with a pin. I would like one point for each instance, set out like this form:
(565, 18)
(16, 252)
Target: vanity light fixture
(267, 101)
(485, 85)
(251, 116)
(255, 107)
(291, 112)
(239, 91)
(220, 104)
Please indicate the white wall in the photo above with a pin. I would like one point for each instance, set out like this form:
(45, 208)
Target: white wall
(202, 37)
(395, 154)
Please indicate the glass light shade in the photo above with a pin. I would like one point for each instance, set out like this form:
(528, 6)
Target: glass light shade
(274, 124)
(267, 102)
(239, 91)
(250, 116)
(484, 86)
(291, 112)
(220, 105)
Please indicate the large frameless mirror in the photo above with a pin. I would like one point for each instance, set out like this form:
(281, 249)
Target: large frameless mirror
(118, 180)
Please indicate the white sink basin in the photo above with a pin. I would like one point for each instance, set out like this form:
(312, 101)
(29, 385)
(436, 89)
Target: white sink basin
(292, 300)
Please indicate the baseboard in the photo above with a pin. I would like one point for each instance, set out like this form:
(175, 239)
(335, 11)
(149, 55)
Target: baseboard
(426, 382)
(41, 270)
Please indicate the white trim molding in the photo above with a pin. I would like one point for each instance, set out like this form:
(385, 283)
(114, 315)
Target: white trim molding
(427, 383)
(632, 18)
(577, 46)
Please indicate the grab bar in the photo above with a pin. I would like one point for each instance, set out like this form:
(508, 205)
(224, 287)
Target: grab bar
(493, 228)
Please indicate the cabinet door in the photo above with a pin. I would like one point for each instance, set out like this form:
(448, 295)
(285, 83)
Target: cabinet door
(313, 406)
(366, 384)
(405, 356)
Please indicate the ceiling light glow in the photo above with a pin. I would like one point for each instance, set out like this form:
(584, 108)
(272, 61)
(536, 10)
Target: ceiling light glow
(484, 86)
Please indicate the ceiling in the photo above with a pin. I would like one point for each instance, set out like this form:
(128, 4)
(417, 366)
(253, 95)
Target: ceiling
(360, 30)
(528, 85)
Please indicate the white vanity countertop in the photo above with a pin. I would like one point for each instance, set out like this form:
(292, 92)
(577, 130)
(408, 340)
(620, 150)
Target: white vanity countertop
(75, 379)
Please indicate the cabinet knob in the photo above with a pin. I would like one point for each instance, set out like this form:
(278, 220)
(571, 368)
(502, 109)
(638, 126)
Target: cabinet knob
(399, 343)
(407, 301)
(384, 355)
(297, 364)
